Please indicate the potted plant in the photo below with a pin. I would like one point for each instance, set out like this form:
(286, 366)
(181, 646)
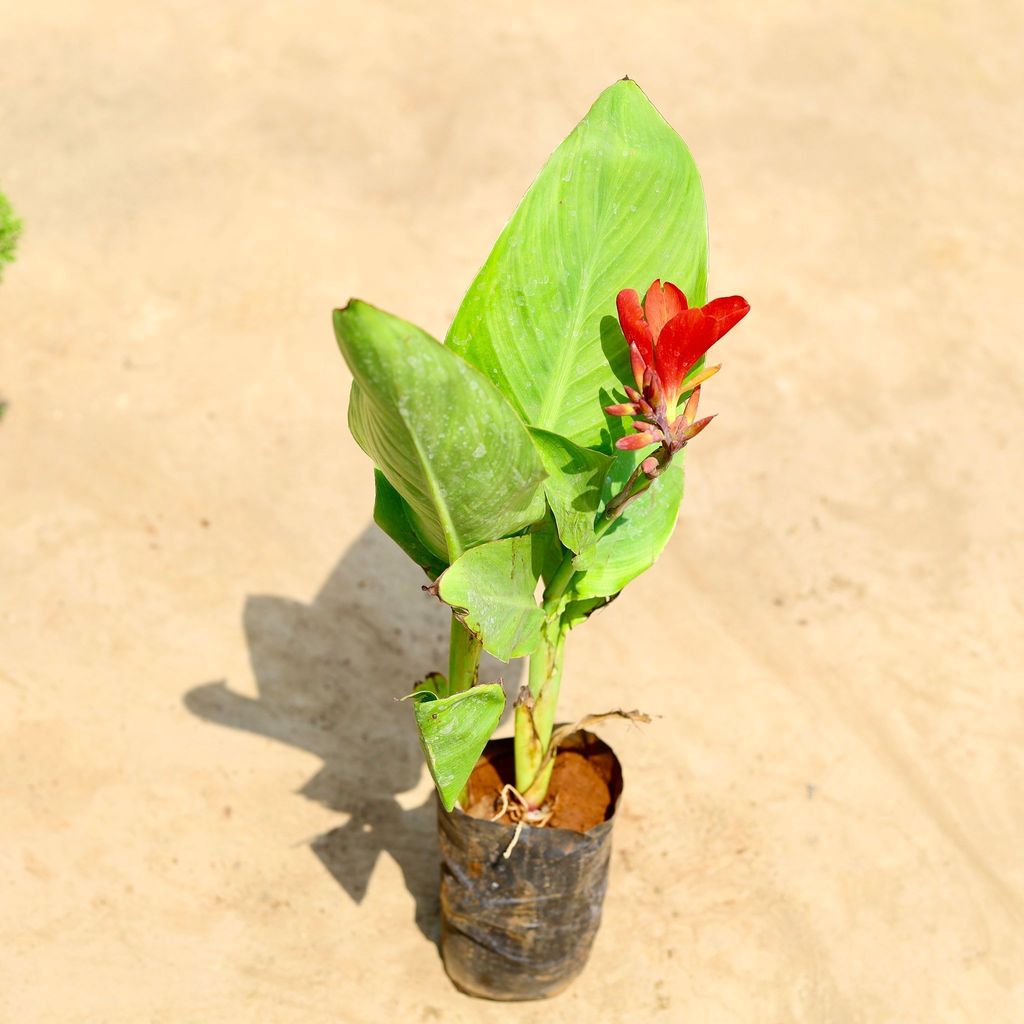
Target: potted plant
(531, 464)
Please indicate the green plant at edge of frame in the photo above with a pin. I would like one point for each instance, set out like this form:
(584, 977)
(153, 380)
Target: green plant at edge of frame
(10, 231)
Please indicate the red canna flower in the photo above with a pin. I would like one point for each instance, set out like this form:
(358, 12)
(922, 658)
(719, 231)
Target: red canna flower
(666, 339)
(668, 336)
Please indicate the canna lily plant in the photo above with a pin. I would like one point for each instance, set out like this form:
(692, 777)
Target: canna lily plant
(531, 463)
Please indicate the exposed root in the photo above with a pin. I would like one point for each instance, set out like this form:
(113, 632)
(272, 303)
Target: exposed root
(506, 790)
(521, 813)
(515, 839)
(539, 817)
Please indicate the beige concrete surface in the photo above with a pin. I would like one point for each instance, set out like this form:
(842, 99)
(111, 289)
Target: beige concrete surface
(212, 810)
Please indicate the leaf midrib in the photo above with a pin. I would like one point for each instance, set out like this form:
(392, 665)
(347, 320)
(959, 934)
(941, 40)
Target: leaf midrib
(452, 538)
(564, 363)
(563, 355)
(447, 524)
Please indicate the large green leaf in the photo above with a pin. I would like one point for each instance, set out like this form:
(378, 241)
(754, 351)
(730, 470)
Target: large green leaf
(573, 487)
(579, 611)
(548, 551)
(635, 540)
(618, 204)
(439, 431)
(492, 587)
(454, 731)
(391, 514)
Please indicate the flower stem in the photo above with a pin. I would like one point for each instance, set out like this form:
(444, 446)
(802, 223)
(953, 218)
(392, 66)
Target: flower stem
(535, 708)
(636, 485)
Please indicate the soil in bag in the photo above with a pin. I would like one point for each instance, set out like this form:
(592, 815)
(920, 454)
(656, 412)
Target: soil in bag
(521, 927)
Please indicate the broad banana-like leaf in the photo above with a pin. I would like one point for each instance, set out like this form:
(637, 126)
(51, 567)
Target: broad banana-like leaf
(547, 548)
(618, 204)
(440, 432)
(573, 487)
(579, 611)
(390, 513)
(635, 540)
(454, 731)
(491, 588)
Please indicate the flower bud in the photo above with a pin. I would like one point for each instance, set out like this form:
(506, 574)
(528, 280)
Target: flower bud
(635, 441)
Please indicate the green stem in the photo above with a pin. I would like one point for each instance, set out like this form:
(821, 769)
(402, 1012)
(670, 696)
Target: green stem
(544, 706)
(463, 669)
(528, 751)
(535, 715)
(544, 721)
(535, 710)
(463, 658)
(637, 483)
(559, 582)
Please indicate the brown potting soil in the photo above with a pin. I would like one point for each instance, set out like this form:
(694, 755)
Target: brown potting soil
(580, 794)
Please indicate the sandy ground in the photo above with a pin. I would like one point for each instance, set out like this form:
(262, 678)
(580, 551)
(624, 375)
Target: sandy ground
(212, 810)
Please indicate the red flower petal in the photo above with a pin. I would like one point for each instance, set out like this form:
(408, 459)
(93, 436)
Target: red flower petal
(727, 313)
(686, 337)
(661, 304)
(634, 326)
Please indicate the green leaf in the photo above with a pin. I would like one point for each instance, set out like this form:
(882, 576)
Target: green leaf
(548, 550)
(618, 204)
(390, 513)
(431, 687)
(442, 435)
(635, 540)
(573, 487)
(492, 589)
(579, 611)
(453, 733)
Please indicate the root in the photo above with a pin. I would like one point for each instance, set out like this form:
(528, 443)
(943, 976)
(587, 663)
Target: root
(506, 790)
(521, 813)
(515, 839)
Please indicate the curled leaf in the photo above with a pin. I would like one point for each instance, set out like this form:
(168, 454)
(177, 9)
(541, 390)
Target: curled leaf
(453, 733)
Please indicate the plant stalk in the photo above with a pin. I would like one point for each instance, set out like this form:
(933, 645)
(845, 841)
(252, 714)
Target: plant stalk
(464, 649)
(535, 715)
(535, 709)
(550, 665)
(463, 658)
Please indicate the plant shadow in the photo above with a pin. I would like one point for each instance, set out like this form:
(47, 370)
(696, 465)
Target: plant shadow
(327, 674)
